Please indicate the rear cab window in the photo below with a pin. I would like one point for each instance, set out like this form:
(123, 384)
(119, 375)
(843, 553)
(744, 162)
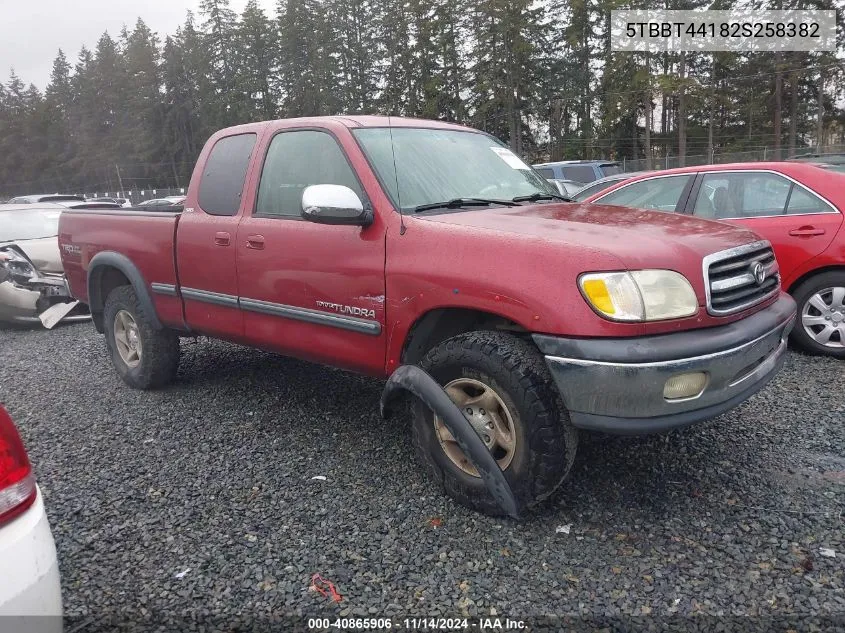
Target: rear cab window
(224, 174)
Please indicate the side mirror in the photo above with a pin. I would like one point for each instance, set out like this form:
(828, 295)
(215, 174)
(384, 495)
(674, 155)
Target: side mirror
(334, 204)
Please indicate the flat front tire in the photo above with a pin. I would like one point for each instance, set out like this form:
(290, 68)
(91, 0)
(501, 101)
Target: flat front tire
(503, 387)
(144, 356)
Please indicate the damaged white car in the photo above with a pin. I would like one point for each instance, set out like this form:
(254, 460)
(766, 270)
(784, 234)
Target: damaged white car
(32, 283)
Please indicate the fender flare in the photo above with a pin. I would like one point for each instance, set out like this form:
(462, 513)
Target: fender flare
(122, 263)
(416, 381)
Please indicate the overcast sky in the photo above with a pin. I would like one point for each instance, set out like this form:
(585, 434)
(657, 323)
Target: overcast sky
(34, 30)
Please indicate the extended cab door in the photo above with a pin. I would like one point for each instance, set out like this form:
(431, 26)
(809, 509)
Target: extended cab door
(206, 234)
(311, 290)
(798, 223)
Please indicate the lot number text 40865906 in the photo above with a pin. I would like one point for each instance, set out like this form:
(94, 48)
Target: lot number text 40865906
(417, 624)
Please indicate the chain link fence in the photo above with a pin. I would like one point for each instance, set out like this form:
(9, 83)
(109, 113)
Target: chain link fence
(137, 195)
(764, 154)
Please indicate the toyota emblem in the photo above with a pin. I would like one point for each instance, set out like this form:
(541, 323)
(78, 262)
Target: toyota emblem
(759, 273)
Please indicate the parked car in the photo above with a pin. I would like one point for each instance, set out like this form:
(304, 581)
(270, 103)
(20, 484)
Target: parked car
(584, 171)
(49, 197)
(828, 159)
(360, 243)
(29, 570)
(68, 201)
(121, 202)
(795, 205)
(32, 283)
(161, 203)
(566, 187)
(587, 191)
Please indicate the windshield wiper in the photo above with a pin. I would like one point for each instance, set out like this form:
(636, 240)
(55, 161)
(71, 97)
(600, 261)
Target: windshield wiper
(534, 197)
(457, 203)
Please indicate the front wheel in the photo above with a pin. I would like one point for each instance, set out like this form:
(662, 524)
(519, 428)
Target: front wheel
(502, 385)
(820, 328)
(144, 357)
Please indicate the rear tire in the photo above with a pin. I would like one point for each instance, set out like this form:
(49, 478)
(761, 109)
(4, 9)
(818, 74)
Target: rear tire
(515, 372)
(821, 315)
(144, 357)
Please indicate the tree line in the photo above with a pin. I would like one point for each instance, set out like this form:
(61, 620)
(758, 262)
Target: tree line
(135, 111)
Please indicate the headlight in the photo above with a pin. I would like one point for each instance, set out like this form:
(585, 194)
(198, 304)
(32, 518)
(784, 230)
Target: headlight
(17, 267)
(639, 295)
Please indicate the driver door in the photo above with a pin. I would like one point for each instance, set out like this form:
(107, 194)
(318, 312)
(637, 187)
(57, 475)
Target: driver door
(313, 291)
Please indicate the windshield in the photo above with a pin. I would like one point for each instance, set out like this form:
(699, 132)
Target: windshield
(437, 165)
(28, 224)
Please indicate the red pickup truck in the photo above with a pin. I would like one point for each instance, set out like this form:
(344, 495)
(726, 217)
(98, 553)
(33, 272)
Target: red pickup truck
(369, 243)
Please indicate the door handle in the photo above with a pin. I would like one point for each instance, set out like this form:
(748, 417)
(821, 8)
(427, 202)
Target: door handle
(222, 238)
(806, 231)
(255, 241)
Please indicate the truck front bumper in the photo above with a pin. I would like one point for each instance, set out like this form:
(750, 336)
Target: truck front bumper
(620, 385)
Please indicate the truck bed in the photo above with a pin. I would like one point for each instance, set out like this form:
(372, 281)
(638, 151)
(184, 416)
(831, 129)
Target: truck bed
(145, 238)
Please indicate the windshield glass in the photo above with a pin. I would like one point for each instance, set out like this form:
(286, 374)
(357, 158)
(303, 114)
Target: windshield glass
(439, 165)
(28, 224)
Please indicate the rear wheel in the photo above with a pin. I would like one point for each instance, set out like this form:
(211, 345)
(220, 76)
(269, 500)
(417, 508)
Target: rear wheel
(145, 357)
(503, 387)
(821, 315)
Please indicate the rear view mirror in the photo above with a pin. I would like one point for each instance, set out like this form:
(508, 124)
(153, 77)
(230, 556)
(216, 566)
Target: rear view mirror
(334, 204)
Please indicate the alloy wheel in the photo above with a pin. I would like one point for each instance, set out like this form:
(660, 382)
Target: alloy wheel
(127, 338)
(823, 317)
(488, 415)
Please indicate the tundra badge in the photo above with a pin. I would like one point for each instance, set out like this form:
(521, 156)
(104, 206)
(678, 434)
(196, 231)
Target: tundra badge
(342, 309)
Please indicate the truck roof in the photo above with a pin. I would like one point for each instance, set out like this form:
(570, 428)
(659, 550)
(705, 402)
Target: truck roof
(354, 121)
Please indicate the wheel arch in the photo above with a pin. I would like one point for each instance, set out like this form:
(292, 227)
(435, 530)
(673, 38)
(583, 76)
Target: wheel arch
(107, 271)
(812, 273)
(438, 324)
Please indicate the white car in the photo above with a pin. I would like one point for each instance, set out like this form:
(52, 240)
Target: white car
(29, 570)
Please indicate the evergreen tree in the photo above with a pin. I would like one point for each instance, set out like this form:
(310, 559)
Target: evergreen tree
(542, 76)
(257, 61)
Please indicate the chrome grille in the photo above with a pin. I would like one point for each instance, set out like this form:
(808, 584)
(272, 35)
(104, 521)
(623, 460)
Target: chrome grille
(740, 277)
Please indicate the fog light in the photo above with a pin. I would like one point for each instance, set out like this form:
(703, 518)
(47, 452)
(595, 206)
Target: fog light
(685, 386)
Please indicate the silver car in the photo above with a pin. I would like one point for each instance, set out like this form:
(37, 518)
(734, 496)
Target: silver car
(32, 283)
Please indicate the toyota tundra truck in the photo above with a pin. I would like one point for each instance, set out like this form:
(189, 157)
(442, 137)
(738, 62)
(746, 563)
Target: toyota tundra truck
(374, 243)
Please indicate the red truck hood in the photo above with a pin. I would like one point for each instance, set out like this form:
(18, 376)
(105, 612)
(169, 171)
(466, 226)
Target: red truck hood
(639, 238)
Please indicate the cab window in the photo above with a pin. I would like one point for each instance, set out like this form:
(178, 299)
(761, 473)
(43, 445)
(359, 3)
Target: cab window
(224, 174)
(658, 194)
(296, 160)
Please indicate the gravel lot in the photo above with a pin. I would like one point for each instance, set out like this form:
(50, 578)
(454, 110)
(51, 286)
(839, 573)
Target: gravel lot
(198, 502)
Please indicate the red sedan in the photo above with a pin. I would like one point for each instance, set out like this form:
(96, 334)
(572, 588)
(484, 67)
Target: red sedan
(798, 207)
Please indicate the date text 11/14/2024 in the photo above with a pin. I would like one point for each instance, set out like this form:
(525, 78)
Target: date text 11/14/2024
(417, 624)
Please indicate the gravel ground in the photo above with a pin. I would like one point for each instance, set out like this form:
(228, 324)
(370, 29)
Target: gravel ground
(198, 502)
